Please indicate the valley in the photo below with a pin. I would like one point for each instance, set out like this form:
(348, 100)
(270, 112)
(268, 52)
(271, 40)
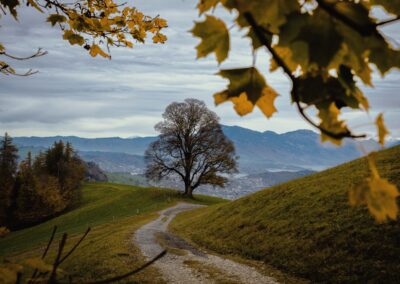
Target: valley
(265, 158)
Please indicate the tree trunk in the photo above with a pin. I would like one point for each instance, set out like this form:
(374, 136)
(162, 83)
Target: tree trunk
(190, 192)
(186, 189)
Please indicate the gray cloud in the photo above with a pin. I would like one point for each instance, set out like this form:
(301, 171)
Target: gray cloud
(75, 94)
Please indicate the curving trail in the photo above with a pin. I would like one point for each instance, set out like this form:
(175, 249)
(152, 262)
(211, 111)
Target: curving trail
(186, 264)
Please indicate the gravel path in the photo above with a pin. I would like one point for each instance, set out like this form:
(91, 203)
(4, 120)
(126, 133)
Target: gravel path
(186, 264)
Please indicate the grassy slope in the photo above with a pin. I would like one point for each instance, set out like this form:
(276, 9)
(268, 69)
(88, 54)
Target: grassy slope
(114, 212)
(306, 227)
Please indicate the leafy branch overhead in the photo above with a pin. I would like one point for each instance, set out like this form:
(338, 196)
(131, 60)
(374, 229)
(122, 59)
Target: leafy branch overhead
(326, 48)
(96, 25)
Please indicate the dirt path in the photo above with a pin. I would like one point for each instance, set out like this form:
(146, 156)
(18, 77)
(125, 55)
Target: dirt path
(186, 264)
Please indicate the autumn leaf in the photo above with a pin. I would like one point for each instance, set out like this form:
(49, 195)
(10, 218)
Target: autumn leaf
(55, 18)
(382, 130)
(73, 38)
(242, 105)
(35, 5)
(206, 5)
(247, 88)
(159, 38)
(214, 38)
(331, 122)
(266, 102)
(96, 50)
(377, 193)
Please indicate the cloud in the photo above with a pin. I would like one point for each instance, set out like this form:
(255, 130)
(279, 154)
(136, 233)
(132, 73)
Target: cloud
(75, 94)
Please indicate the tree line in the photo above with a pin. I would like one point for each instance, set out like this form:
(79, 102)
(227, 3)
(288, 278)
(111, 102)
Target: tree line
(37, 188)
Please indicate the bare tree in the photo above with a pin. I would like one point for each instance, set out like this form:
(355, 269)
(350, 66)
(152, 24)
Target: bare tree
(191, 146)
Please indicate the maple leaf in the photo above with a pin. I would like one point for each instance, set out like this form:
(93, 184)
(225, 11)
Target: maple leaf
(206, 5)
(55, 18)
(214, 38)
(247, 88)
(382, 130)
(96, 50)
(73, 38)
(377, 193)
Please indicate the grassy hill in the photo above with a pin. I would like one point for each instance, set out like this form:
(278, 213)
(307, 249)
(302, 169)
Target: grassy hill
(306, 227)
(114, 212)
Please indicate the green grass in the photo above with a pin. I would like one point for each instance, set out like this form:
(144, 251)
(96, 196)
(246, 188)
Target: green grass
(102, 203)
(114, 212)
(306, 227)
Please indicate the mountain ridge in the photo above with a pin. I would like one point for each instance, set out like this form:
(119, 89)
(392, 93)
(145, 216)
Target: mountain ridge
(258, 151)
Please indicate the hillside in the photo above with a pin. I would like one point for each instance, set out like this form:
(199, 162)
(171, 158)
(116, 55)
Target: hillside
(101, 203)
(258, 151)
(306, 227)
(106, 208)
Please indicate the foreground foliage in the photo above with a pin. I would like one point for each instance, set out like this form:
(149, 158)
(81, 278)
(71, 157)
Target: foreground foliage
(323, 46)
(93, 24)
(50, 272)
(305, 227)
(326, 49)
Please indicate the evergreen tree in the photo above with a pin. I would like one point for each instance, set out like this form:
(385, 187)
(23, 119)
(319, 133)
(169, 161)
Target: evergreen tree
(8, 170)
(26, 191)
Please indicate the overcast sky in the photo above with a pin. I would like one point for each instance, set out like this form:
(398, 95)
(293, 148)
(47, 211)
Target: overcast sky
(75, 94)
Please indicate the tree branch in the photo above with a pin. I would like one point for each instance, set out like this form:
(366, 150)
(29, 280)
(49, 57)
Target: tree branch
(259, 31)
(38, 53)
(118, 278)
(388, 21)
(366, 30)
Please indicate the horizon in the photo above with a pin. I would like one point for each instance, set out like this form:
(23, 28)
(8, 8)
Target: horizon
(389, 139)
(147, 136)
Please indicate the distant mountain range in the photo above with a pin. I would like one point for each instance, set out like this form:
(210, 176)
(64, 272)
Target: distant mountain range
(258, 151)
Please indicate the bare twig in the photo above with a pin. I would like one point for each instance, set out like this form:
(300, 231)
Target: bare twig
(75, 246)
(118, 278)
(388, 21)
(34, 274)
(38, 53)
(56, 263)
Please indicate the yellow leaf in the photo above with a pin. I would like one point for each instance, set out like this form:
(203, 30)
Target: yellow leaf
(242, 105)
(214, 38)
(247, 88)
(382, 130)
(330, 121)
(96, 50)
(55, 18)
(377, 193)
(205, 5)
(73, 38)
(382, 201)
(160, 23)
(159, 38)
(266, 102)
(35, 5)
(221, 97)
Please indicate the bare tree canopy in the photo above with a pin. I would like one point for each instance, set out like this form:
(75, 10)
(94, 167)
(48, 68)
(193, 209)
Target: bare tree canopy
(191, 146)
